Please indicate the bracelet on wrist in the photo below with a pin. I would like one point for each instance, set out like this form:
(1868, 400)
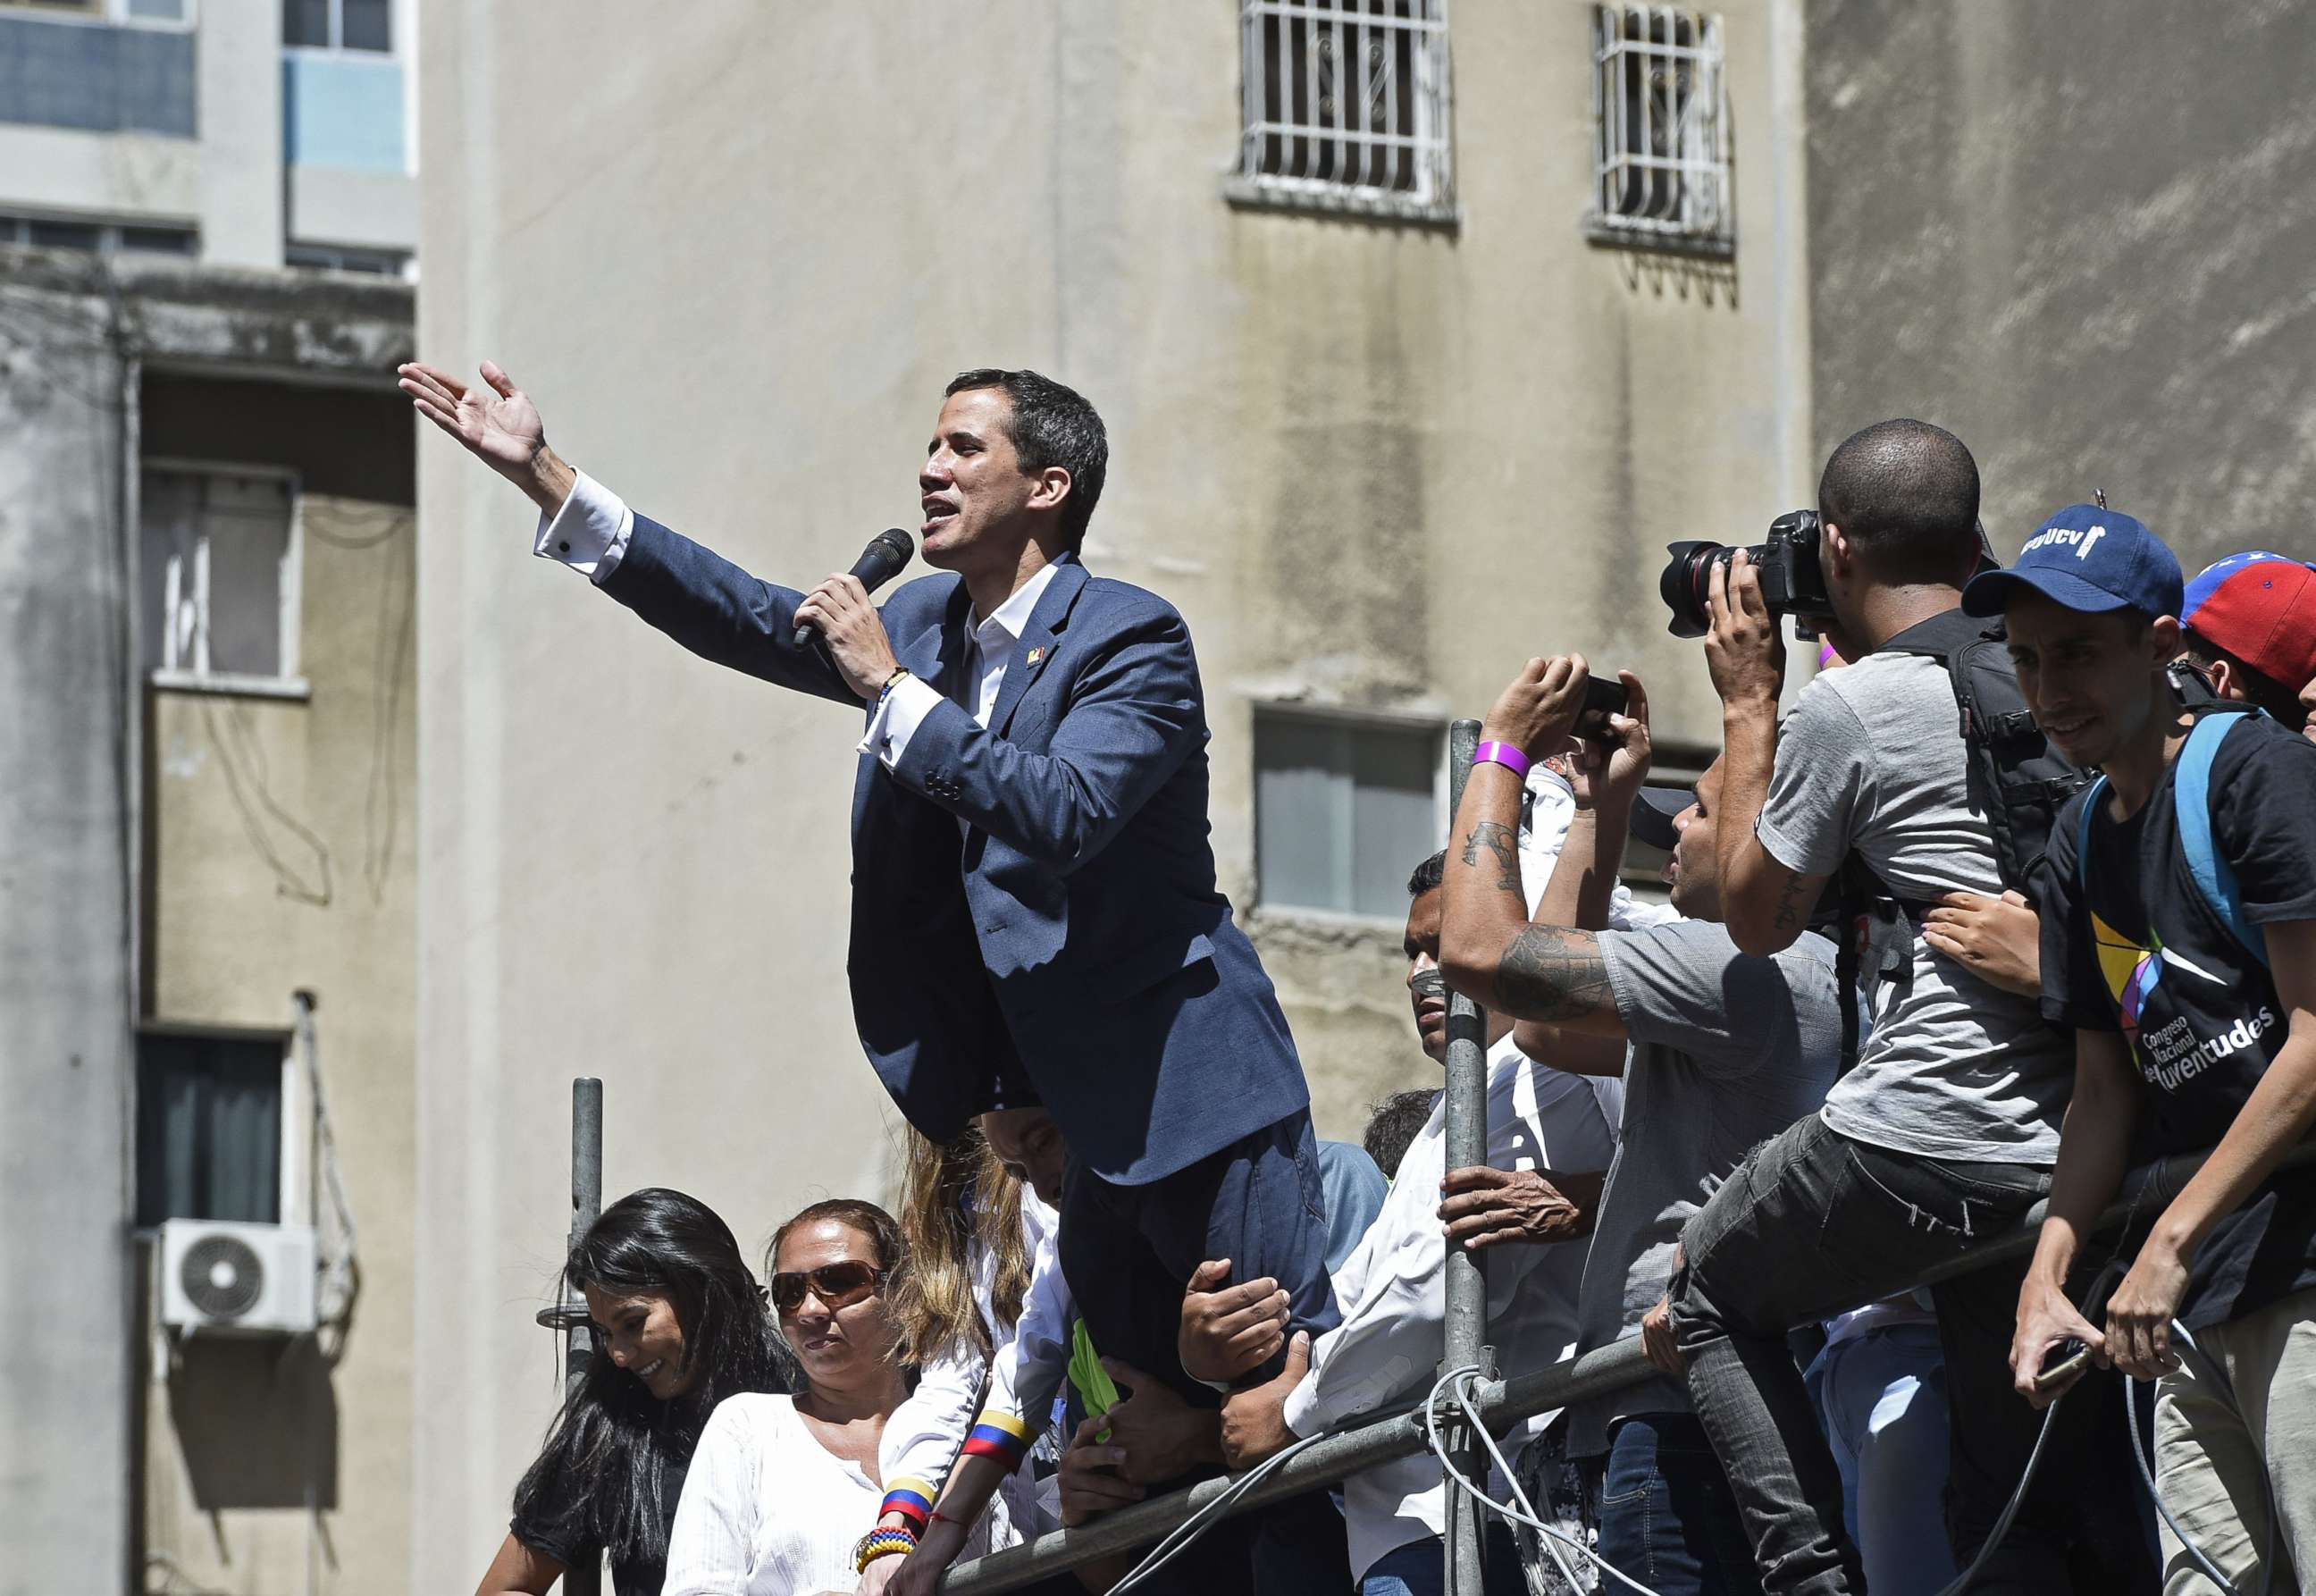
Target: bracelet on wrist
(881, 1543)
(1501, 753)
(900, 674)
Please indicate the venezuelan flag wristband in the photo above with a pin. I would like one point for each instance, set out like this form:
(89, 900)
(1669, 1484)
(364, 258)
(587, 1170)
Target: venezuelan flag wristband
(911, 1499)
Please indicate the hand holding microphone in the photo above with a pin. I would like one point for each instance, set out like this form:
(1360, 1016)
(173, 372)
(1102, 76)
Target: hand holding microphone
(839, 611)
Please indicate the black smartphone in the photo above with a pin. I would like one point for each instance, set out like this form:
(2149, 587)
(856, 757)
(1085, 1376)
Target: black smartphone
(1603, 695)
(2071, 1355)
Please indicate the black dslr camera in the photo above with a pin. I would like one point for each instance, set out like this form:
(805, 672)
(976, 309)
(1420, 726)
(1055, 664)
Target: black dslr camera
(1792, 581)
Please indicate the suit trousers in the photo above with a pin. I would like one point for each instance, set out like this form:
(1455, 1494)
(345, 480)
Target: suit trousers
(1127, 1252)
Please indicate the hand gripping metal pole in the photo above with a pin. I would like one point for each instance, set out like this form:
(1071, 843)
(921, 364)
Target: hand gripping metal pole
(570, 1314)
(1467, 1285)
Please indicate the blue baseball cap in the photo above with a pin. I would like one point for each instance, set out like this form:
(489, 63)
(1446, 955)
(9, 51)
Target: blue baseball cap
(2087, 559)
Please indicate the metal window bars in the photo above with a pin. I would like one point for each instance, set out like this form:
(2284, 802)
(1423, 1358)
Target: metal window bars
(1346, 108)
(1663, 146)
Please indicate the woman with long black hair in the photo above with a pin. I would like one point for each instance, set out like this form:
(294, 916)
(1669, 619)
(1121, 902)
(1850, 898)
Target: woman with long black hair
(681, 1323)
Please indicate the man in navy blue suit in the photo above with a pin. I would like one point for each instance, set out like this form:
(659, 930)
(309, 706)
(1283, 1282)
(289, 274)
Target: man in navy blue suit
(1035, 916)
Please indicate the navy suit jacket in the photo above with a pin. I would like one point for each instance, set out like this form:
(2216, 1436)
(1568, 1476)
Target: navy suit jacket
(1041, 890)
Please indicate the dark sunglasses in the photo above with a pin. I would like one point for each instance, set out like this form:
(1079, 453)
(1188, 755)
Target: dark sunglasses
(837, 1285)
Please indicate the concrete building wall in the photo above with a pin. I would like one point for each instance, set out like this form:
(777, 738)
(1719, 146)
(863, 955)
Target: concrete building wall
(65, 936)
(142, 890)
(284, 859)
(2080, 247)
(1378, 465)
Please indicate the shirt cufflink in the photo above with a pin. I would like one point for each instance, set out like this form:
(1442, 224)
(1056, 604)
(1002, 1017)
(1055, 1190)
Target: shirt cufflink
(589, 533)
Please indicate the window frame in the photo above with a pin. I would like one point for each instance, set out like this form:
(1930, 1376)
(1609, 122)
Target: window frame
(1615, 158)
(17, 225)
(1432, 147)
(1435, 729)
(169, 672)
(288, 1108)
(104, 13)
(337, 45)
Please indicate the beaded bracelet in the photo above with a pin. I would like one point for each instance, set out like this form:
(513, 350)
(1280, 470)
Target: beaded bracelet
(881, 1543)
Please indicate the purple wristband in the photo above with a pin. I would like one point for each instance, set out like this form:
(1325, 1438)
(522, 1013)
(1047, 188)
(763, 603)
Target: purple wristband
(1502, 754)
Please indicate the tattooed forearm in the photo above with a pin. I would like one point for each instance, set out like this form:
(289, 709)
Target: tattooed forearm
(1790, 905)
(1503, 842)
(1550, 972)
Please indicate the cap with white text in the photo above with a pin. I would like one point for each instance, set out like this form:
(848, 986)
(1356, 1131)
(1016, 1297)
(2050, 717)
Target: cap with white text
(2087, 559)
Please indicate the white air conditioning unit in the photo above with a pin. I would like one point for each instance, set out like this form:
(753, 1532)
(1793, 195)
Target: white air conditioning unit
(219, 1277)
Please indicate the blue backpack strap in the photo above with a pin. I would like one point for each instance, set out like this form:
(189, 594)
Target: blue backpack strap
(2191, 794)
(2093, 797)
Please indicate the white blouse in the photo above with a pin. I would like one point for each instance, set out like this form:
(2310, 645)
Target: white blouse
(767, 1511)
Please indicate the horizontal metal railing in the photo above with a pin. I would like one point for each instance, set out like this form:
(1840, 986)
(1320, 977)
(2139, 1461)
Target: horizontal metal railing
(1400, 1432)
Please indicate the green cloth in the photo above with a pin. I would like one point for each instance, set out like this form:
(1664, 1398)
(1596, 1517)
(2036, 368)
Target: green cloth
(1097, 1391)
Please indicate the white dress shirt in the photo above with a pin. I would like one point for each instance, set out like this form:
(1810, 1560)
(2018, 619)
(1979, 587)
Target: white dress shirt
(1392, 1291)
(767, 1511)
(590, 532)
(905, 707)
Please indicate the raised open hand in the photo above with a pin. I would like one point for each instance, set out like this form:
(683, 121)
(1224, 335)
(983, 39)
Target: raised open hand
(497, 423)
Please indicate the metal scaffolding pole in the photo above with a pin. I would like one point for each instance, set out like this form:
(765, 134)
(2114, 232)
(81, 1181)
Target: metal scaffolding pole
(569, 1316)
(1467, 1286)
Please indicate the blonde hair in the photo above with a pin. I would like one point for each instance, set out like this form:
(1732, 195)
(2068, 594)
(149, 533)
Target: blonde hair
(953, 1195)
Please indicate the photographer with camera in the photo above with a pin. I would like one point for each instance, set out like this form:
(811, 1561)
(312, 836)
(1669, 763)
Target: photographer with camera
(1945, 1132)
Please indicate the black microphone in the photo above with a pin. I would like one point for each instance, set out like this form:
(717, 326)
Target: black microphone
(879, 564)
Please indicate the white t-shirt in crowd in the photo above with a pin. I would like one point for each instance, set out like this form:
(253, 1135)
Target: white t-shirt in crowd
(767, 1511)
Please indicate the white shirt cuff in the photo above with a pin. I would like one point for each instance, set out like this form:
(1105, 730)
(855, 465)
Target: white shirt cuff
(896, 718)
(589, 533)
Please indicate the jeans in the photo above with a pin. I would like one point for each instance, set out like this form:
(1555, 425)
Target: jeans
(1813, 1224)
(1667, 1517)
(1419, 1568)
(1882, 1395)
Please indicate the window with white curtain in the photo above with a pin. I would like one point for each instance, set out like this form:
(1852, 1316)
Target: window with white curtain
(219, 573)
(1343, 810)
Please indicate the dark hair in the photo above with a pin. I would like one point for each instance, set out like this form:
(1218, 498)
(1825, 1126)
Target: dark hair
(1428, 876)
(1051, 425)
(1393, 1124)
(2265, 692)
(1906, 493)
(602, 1479)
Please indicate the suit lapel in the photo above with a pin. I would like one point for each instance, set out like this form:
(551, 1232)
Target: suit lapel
(937, 654)
(1040, 639)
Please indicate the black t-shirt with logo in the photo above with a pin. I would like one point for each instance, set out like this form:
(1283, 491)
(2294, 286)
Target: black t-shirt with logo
(2147, 956)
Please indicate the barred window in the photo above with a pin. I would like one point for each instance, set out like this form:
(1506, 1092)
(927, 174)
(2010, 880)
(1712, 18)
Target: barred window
(1661, 154)
(1345, 107)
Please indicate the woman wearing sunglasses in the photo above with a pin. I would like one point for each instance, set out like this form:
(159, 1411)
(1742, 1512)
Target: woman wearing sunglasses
(780, 1486)
(680, 1324)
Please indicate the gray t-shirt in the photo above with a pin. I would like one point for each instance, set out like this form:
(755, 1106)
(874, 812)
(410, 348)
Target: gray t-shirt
(1727, 1051)
(1872, 759)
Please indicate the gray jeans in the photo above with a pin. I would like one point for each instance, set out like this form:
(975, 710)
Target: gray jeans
(1815, 1223)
